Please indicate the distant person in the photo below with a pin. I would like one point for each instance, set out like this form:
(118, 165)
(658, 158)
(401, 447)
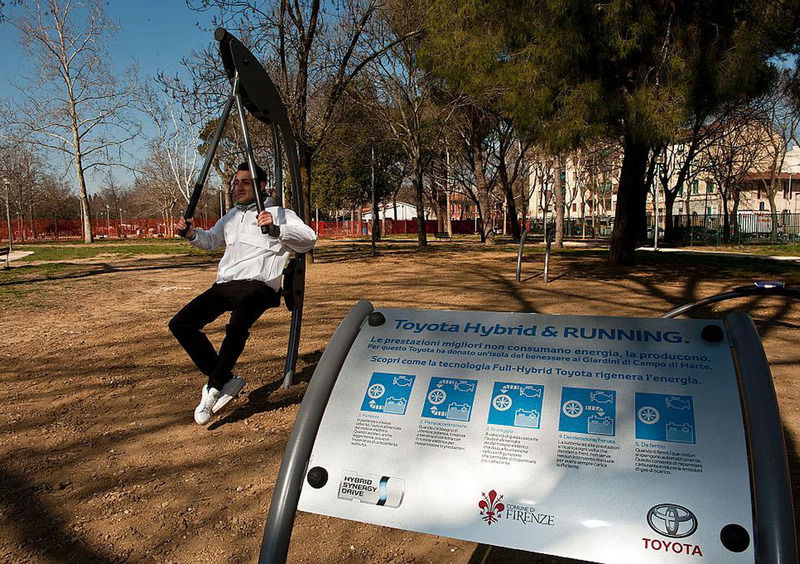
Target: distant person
(248, 283)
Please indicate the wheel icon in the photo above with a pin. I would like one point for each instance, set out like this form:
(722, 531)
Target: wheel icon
(501, 402)
(648, 415)
(572, 408)
(437, 396)
(376, 391)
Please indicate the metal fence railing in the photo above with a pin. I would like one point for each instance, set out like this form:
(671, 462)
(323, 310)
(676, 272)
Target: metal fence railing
(746, 227)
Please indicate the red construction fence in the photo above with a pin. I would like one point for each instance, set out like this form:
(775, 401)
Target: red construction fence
(72, 229)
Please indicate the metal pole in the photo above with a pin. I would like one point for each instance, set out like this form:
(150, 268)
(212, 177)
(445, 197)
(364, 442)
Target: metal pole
(108, 220)
(286, 494)
(201, 179)
(8, 213)
(519, 253)
(248, 149)
(276, 141)
(655, 217)
(775, 536)
(374, 199)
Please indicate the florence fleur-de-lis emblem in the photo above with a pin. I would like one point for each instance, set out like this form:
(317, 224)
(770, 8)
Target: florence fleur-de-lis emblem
(491, 507)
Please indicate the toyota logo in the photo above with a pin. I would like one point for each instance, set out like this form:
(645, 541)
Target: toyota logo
(672, 520)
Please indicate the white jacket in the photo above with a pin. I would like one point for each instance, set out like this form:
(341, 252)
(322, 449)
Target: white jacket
(249, 254)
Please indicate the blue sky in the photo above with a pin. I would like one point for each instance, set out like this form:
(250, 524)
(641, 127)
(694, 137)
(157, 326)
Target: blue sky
(157, 34)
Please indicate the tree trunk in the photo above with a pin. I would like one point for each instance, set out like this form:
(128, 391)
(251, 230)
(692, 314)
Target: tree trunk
(482, 186)
(511, 205)
(417, 181)
(669, 224)
(773, 211)
(631, 199)
(305, 188)
(558, 201)
(726, 223)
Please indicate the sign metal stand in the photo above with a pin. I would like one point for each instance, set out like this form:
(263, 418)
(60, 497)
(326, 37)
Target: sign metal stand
(769, 537)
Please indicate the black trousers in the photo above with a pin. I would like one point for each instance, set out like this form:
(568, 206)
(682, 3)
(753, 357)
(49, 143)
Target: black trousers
(246, 300)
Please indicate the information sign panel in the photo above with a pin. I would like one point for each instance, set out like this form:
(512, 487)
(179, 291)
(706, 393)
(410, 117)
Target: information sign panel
(599, 438)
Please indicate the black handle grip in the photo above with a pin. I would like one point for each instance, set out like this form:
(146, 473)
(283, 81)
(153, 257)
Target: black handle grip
(182, 232)
(265, 230)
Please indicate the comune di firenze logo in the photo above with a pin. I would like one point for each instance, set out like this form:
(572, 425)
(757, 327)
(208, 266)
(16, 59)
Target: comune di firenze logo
(492, 507)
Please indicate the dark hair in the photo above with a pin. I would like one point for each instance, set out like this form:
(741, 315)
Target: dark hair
(261, 176)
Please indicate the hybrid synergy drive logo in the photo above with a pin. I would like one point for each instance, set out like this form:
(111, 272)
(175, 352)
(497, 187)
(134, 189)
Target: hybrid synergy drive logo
(491, 507)
(670, 520)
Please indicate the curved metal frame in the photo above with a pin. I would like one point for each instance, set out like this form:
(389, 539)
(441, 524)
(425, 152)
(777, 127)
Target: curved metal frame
(262, 99)
(286, 494)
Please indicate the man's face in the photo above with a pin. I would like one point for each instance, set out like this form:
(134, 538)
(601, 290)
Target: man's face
(243, 187)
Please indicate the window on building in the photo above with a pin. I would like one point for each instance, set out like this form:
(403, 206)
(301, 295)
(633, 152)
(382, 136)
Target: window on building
(709, 187)
(695, 187)
(762, 206)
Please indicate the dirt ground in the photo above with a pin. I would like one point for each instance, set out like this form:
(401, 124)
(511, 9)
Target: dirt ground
(102, 462)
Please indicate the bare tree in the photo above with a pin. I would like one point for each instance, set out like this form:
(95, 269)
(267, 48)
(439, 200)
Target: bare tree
(403, 97)
(73, 104)
(174, 137)
(314, 50)
(731, 156)
(780, 122)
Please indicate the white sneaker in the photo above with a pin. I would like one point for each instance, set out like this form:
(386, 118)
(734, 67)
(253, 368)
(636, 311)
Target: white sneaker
(204, 410)
(230, 390)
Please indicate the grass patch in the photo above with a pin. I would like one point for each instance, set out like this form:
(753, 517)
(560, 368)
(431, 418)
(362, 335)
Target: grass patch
(66, 252)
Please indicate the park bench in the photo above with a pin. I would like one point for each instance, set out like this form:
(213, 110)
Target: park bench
(441, 235)
(6, 251)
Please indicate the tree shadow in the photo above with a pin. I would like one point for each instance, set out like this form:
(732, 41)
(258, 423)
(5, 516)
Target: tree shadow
(485, 554)
(106, 268)
(39, 529)
(271, 396)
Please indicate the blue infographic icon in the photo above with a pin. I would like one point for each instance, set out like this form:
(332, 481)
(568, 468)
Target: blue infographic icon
(450, 398)
(587, 411)
(661, 417)
(388, 393)
(516, 405)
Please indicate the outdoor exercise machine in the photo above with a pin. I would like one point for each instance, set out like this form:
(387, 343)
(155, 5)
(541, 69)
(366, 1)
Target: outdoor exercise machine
(253, 90)
(549, 237)
(597, 438)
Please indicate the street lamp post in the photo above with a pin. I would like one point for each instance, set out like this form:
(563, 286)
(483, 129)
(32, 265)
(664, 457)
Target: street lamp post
(8, 213)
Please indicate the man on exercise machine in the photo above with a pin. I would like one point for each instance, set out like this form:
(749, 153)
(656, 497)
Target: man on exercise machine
(247, 284)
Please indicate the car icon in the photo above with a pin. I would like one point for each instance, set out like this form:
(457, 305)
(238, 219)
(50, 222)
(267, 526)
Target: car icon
(530, 392)
(401, 380)
(601, 397)
(463, 386)
(678, 403)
